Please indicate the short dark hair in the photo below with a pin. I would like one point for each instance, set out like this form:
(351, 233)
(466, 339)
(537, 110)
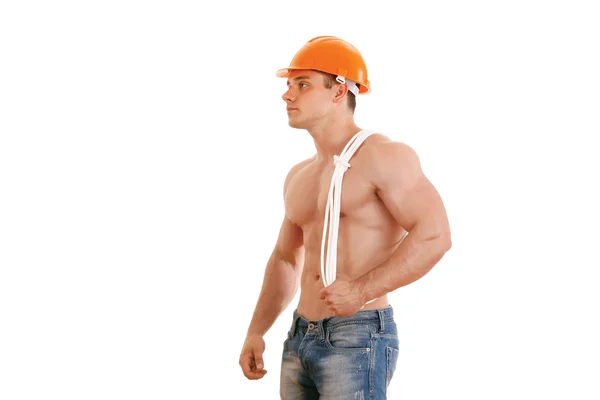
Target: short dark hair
(330, 81)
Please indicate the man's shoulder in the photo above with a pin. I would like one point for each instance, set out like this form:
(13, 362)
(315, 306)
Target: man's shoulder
(386, 161)
(302, 164)
(296, 168)
(379, 149)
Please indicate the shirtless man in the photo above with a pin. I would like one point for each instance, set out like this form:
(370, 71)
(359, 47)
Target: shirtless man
(393, 229)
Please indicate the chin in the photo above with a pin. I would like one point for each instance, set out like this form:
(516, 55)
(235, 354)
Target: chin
(296, 124)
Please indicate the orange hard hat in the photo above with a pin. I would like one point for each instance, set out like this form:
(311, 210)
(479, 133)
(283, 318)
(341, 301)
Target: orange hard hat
(332, 55)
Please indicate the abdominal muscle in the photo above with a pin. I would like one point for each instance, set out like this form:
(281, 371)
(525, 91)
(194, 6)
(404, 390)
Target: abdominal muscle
(312, 308)
(360, 250)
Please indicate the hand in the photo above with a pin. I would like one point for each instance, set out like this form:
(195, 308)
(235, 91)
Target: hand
(251, 358)
(343, 297)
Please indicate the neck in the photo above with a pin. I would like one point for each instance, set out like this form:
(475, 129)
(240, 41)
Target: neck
(331, 139)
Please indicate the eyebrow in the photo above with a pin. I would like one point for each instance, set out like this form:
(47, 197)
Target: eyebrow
(299, 78)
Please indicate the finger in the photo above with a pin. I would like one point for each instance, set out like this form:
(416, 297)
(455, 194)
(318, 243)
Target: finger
(247, 364)
(251, 374)
(258, 362)
(255, 375)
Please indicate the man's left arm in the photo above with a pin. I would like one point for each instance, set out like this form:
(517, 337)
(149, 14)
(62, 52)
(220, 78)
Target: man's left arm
(416, 205)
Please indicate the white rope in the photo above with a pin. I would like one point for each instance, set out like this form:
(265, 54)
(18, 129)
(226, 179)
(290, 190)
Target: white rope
(332, 209)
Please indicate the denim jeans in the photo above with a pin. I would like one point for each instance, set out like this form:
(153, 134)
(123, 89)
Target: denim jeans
(340, 357)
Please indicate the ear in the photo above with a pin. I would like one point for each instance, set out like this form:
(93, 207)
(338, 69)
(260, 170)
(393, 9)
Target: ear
(340, 92)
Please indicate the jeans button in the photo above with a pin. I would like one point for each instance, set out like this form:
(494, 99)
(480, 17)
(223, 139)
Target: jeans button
(311, 326)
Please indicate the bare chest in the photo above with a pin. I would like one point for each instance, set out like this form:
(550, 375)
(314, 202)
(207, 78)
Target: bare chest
(307, 194)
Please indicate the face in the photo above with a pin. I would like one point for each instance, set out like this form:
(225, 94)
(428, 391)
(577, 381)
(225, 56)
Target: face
(308, 100)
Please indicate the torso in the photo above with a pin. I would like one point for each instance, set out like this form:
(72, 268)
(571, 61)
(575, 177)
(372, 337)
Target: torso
(368, 234)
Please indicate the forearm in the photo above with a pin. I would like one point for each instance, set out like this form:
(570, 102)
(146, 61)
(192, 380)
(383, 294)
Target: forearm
(419, 252)
(280, 285)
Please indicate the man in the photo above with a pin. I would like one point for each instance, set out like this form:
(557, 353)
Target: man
(392, 230)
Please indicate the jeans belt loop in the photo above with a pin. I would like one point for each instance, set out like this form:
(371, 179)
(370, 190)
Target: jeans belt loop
(381, 321)
(321, 326)
(295, 325)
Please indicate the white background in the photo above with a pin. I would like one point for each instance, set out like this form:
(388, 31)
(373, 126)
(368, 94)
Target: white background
(143, 148)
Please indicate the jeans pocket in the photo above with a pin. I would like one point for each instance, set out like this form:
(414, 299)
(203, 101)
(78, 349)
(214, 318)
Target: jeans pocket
(392, 360)
(348, 338)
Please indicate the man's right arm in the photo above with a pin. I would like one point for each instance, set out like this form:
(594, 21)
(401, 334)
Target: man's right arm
(280, 284)
(281, 278)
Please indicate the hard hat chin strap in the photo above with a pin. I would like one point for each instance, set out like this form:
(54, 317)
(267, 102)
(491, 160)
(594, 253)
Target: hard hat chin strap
(352, 86)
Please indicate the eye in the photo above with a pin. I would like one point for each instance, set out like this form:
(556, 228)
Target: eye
(303, 84)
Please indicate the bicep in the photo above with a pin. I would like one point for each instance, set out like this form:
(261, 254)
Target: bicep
(407, 193)
(290, 242)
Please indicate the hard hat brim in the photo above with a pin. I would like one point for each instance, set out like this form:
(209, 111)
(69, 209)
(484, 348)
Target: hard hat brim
(285, 72)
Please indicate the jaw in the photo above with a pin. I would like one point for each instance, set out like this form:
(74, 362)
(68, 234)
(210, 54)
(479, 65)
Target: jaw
(295, 126)
(295, 122)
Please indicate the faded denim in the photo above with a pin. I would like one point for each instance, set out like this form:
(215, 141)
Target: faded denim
(340, 357)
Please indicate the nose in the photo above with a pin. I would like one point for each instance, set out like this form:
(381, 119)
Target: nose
(288, 96)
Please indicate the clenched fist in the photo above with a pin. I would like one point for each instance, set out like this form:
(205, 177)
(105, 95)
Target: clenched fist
(251, 358)
(343, 297)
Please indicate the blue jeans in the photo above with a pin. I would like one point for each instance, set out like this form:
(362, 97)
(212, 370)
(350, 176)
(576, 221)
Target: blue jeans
(340, 357)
